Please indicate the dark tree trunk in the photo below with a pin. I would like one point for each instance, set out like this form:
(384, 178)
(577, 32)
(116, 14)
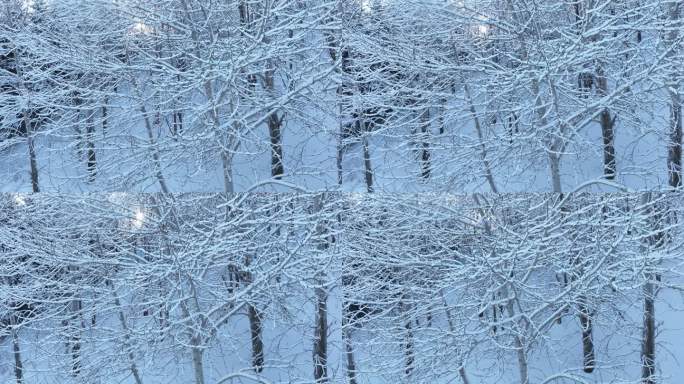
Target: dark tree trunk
(32, 153)
(655, 241)
(91, 163)
(340, 155)
(257, 342)
(408, 348)
(105, 117)
(321, 338)
(674, 153)
(649, 335)
(275, 132)
(34, 165)
(409, 354)
(75, 356)
(607, 128)
(587, 336)
(425, 151)
(74, 329)
(607, 124)
(368, 169)
(177, 126)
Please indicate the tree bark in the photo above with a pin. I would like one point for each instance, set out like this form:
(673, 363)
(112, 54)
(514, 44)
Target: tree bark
(587, 336)
(409, 353)
(554, 166)
(425, 152)
(648, 339)
(349, 351)
(480, 135)
(32, 153)
(649, 335)
(320, 344)
(674, 153)
(464, 377)
(16, 350)
(156, 159)
(257, 342)
(274, 123)
(321, 337)
(91, 164)
(368, 169)
(105, 117)
(275, 133)
(74, 343)
(607, 128)
(197, 360)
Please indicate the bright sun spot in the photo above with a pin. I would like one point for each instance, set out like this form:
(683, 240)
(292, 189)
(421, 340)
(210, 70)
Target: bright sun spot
(366, 6)
(20, 200)
(139, 218)
(482, 28)
(140, 28)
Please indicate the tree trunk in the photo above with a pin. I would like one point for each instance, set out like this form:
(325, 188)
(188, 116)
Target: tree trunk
(587, 336)
(521, 352)
(156, 160)
(227, 162)
(257, 342)
(274, 130)
(409, 354)
(196, 350)
(425, 152)
(607, 128)
(321, 337)
(126, 336)
(75, 355)
(340, 155)
(91, 164)
(105, 117)
(554, 166)
(674, 153)
(480, 135)
(464, 377)
(609, 164)
(522, 360)
(654, 241)
(18, 365)
(368, 169)
(320, 344)
(441, 121)
(74, 330)
(408, 348)
(32, 153)
(177, 126)
(197, 360)
(649, 334)
(349, 351)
